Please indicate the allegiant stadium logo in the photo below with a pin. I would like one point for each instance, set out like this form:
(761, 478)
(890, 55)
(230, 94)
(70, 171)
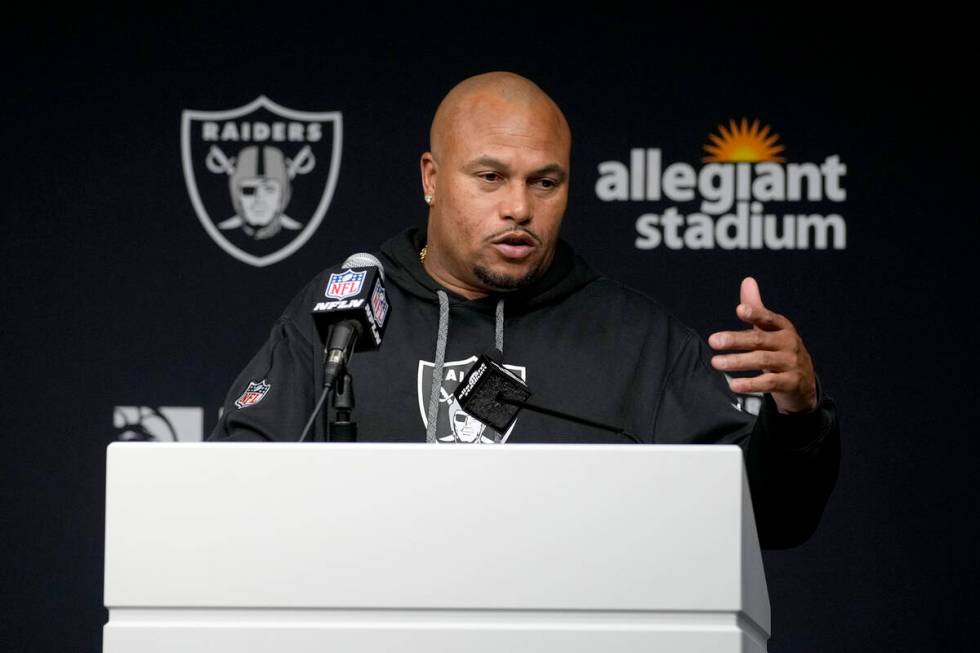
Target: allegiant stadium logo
(742, 171)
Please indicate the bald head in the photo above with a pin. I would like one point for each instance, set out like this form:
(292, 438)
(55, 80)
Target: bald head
(493, 92)
(496, 182)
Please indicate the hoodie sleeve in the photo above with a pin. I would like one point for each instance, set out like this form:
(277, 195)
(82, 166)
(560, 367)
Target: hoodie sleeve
(273, 396)
(791, 461)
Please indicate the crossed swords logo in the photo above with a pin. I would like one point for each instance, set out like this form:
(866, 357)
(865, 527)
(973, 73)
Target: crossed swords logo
(217, 162)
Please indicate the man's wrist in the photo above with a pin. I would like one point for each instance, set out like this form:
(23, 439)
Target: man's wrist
(792, 431)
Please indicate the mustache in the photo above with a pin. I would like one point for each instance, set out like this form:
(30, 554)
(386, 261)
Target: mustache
(515, 231)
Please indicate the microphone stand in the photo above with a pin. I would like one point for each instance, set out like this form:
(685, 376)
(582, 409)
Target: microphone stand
(343, 428)
(335, 362)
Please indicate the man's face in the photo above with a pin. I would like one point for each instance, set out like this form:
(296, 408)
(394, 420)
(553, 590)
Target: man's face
(260, 198)
(500, 189)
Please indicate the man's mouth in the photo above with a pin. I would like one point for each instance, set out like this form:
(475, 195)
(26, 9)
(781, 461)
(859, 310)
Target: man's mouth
(514, 244)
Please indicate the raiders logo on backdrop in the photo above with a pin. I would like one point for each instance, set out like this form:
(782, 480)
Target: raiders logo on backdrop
(158, 423)
(260, 177)
(455, 424)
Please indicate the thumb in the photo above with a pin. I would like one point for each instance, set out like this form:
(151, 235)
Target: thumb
(749, 294)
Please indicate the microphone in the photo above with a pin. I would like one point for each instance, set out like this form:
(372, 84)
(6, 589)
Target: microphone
(483, 391)
(355, 304)
(494, 395)
(350, 317)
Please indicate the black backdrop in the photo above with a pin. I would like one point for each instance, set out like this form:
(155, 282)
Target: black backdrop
(115, 296)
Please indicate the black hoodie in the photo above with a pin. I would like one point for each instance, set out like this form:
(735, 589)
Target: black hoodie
(584, 344)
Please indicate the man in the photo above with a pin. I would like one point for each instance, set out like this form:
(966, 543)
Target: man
(490, 264)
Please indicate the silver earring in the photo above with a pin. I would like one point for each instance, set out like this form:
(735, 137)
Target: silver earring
(428, 199)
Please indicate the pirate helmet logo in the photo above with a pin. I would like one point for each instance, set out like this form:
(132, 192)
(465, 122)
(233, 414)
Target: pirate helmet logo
(259, 183)
(258, 160)
(465, 428)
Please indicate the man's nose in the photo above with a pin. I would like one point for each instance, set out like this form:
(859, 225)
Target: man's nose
(517, 205)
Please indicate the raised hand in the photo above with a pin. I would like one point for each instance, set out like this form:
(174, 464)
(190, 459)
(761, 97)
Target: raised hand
(772, 346)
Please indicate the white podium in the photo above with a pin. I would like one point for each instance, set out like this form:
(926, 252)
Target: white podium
(365, 547)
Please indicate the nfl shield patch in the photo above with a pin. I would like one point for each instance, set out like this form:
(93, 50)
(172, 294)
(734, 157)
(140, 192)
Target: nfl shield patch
(253, 394)
(379, 304)
(345, 284)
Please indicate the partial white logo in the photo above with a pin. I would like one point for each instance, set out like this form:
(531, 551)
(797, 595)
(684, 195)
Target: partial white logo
(455, 424)
(750, 403)
(158, 423)
(248, 162)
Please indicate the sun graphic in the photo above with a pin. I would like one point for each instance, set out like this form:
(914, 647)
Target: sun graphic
(743, 143)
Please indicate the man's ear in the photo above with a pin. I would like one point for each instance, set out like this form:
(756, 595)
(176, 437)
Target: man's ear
(428, 169)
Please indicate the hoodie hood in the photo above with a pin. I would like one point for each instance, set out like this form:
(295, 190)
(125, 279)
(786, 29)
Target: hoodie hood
(568, 272)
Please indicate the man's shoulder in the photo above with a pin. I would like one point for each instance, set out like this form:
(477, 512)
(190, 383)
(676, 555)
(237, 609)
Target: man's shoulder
(637, 303)
(617, 290)
(302, 302)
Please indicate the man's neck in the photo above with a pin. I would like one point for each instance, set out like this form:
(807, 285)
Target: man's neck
(449, 282)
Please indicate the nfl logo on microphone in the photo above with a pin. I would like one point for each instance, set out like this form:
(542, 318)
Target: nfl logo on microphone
(345, 284)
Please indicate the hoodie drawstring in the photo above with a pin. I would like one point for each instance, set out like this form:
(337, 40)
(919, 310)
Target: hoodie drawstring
(498, 338)
(437, 371)
(498, 335)
(432, 426)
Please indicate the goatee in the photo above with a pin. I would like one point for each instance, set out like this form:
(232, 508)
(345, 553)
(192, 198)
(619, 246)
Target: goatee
(503, 282)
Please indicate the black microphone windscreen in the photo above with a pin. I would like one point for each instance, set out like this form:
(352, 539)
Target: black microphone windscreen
(481, 390)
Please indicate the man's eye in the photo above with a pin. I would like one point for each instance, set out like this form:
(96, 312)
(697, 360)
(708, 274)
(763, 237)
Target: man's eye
(489, 176)
(547, 183)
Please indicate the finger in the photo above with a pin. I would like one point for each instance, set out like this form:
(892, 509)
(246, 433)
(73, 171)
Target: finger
(749, 293)
(769, 382)
(770, 361)
(762, 317)
(748, 340)
(750, 298)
